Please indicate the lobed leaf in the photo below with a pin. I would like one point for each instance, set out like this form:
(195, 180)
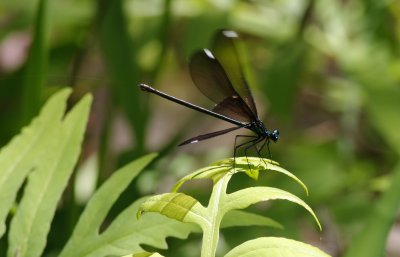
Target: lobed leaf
(125, 234)
(31, 224)
(23, 153)
(96, 210)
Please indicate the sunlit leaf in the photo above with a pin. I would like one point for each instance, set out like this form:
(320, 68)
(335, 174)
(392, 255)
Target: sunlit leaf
(125, 234)
(177, 206)
(249, 165)
(144, 254)
(46, 183)
(275, 247)
(185, 208)
(248, 196)
(25, 150)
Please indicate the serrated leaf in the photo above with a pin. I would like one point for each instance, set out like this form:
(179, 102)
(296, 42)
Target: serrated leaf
(31, 224)
(22, 153)
(248, 196)
(237, 218)
(99, 205)
(275, 247)
(249, 165)
(125, 234)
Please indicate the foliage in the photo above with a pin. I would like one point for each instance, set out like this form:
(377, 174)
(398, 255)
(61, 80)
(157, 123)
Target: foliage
(45, 154)
(325, 72)
(184, 208)
(123, 235)
(50, 148)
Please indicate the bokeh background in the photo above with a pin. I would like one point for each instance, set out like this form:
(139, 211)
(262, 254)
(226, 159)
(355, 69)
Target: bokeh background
(325, 73)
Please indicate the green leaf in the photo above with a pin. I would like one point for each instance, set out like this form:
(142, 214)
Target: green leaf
(96, 210)
(144, 254)
(187, 209)
(176, 206)
(236, 218)
(22, 154)
(125, 234)
(46, 183)
(275, 247)
(35, 73)
(248, 196)
(249, 165)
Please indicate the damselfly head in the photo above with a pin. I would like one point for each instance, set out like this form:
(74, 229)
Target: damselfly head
(275, 135)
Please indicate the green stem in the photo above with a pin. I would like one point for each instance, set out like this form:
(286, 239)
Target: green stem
(211, 231)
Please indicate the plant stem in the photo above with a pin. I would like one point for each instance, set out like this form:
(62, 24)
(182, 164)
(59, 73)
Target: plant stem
(211, 232)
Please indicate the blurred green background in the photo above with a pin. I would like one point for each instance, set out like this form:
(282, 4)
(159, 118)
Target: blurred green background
(325, 73)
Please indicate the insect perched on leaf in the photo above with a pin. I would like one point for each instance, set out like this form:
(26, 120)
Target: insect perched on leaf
(219, 76)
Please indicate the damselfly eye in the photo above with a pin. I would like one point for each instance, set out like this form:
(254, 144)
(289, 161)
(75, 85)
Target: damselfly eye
(275, 135)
